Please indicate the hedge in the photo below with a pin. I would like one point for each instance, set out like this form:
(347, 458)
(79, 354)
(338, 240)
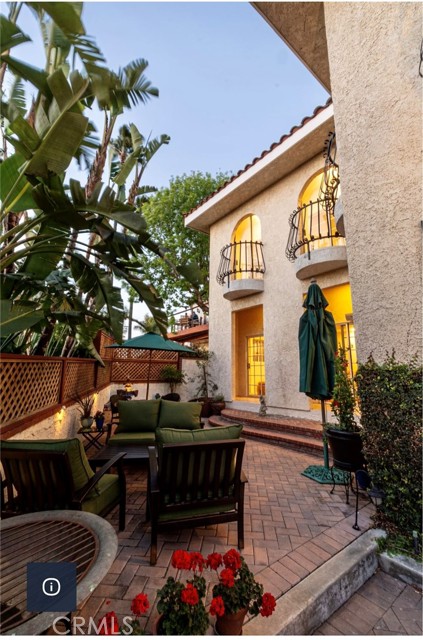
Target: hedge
(390, 397)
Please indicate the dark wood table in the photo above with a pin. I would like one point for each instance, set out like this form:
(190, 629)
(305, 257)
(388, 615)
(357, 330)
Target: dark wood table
(133, 453)
(50, 536)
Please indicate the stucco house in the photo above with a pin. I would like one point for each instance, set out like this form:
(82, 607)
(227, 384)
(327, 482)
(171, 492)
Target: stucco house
(337, 199)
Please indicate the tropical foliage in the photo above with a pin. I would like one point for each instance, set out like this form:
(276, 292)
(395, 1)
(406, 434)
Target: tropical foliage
(188, 285)
(64, 246)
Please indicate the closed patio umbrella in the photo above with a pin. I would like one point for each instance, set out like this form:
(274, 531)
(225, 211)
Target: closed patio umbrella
(151, 342)
(317, 347)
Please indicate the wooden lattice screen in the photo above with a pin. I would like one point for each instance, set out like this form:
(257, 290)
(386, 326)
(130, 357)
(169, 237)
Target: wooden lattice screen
(27, 387)
(35, 387)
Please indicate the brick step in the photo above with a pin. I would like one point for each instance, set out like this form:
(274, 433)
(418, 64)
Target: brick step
(292, 440)
(284, 424)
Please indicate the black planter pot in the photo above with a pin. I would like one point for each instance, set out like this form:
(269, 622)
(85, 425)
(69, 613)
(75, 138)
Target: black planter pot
(346, 448)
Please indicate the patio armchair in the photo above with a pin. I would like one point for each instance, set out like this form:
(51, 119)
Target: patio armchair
(42, 475)
(195, 484)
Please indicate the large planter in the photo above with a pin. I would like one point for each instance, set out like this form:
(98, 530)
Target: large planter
(346, 448)
(230, 624)
(206, 409)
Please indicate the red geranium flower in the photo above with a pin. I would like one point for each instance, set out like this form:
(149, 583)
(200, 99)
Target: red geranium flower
(140, 604)
(268, 605)
(227, 578)
(189, 595)
(181, 559)
(214, 560)
(197, 561)
(108, 625)
(232, 560)
(217, 606)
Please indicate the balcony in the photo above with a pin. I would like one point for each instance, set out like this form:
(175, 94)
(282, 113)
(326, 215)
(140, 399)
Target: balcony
(241, 269)
(314, 243)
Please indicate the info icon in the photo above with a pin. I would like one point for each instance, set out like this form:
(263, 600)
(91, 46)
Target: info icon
(51, 586)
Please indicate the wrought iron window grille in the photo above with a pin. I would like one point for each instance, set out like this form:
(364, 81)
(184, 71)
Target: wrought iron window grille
(241, 259)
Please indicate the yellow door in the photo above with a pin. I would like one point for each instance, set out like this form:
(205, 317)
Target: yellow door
(255, 366)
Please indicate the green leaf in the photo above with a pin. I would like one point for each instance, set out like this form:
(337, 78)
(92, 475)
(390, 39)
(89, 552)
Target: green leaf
(15, 190)
(14, 318)
(64, 15)
(59, 145)
(35, 76)
(11, 35)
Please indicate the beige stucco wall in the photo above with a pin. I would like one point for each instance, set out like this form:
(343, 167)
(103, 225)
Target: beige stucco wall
(281, 299)
(374, 52)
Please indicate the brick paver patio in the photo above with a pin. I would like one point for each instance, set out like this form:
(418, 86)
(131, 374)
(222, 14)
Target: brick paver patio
(292, 526)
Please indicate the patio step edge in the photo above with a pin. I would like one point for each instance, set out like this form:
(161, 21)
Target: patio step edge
(306, 427)
(310, 603)
(293, 440)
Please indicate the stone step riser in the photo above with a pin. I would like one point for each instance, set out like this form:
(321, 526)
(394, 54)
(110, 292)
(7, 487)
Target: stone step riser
(278, 427)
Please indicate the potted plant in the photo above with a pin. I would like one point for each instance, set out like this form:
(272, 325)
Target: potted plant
(345, 438)
(206, 386)
(173, 376)
(99, 420)
(236, 594)
(181, 606)
(85, 406)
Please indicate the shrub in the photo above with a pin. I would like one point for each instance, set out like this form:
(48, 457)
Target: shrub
(390, 396)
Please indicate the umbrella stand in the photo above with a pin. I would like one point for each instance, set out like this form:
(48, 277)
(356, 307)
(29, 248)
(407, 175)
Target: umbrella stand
(324, 474)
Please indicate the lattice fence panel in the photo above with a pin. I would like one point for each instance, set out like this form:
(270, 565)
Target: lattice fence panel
(103, 374)
(143, 354)
(28, 387)
(105, 341)
(79, 379)
(137, 370)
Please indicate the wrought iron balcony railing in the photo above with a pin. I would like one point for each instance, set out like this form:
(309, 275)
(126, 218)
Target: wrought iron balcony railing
(312, 226)
(243, 259)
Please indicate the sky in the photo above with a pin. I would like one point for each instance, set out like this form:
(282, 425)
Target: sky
(228, 85)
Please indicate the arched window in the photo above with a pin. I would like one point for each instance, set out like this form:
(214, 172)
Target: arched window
(316, 222)
(245, 237)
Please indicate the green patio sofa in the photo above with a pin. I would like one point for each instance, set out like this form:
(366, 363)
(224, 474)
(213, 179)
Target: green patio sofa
(140, 419)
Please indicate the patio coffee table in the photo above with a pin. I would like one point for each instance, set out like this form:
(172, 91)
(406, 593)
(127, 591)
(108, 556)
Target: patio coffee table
(133, 453)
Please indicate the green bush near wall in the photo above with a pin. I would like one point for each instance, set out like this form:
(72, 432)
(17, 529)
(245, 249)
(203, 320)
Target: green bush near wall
(391, 416)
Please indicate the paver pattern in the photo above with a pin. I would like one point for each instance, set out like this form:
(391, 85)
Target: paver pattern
(292, 526)
(383, 606)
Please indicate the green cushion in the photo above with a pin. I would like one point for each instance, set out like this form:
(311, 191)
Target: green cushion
(179, 415)
(203, 511)
(138, 415)
(81, 470)
(175, 436)
(143, 437)
(107, 492)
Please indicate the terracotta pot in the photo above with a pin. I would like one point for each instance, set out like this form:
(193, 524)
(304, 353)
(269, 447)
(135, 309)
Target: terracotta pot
(230, 624)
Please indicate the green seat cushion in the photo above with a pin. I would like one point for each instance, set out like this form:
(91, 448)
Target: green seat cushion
(107, 492)
(81, 470)
(179, 415)
(138, 415)
(176, 436)
(143, 437)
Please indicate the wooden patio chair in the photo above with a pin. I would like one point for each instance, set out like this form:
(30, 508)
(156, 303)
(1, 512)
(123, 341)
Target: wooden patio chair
(42, 475)
(195, 484)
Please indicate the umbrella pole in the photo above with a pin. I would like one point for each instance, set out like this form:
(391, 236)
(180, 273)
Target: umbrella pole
(148, 375)
(325, 444)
